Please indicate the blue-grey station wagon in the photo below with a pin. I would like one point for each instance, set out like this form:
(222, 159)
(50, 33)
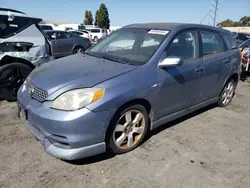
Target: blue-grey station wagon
(132, 81)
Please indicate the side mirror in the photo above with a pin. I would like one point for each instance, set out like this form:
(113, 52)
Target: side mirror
(170, 62)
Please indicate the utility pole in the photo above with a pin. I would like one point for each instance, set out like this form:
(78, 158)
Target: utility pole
(215, 11)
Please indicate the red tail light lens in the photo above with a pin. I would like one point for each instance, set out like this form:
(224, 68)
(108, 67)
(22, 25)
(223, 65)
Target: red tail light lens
(86, 39)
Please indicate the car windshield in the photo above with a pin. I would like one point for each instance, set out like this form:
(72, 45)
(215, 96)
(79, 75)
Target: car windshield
(129, 46)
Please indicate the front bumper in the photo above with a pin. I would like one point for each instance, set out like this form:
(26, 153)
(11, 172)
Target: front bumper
(65, 135)
(64, 153)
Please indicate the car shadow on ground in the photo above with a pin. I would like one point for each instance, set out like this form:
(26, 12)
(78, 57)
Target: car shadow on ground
(107, 155)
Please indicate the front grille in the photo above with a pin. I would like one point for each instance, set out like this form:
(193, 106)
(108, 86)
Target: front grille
(35, 92)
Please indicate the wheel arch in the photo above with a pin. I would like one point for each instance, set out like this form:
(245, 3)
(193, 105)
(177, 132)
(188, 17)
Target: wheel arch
(9, 59)
(138, 101)
(235, 77)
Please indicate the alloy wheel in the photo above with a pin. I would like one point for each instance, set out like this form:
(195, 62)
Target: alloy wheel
(228, 93)
(129, 129)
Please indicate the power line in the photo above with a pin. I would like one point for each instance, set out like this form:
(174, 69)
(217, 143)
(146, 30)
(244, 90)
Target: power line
(215, 11)
(206, 16)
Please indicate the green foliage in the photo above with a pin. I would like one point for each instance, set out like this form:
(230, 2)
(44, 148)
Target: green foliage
(243, 22)
(102, 17)
(88, 18)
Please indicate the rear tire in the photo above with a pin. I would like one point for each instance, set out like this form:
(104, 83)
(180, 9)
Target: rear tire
(227, 93)
(127, 129)
(12, 77)
(78, 50)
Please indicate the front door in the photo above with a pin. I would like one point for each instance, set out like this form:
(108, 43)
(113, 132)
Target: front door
(180, 86)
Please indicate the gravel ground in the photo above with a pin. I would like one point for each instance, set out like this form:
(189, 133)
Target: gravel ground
(209, 148)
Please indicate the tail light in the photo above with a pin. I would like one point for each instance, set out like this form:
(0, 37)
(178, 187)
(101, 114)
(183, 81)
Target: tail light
(244, 60)
(86, 39)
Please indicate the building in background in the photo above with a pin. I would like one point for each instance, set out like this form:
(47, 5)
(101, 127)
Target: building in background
(238, 29)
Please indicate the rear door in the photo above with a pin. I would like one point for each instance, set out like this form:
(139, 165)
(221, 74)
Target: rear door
(216, 63)
(64, 42)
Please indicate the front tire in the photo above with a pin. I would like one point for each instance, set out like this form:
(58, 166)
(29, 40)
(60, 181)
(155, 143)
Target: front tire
(227, 93)
(127, 129)
(12, 77)
(95, 39)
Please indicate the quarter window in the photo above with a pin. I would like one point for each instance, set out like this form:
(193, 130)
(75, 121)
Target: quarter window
(231, 43)
(211, 42)
(185, 45)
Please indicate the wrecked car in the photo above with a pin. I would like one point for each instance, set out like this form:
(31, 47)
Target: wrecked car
(23, 46)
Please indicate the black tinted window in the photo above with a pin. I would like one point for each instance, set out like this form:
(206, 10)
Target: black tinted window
(211, 42)
(185, 46)
(9, 28)
(95, 30)
(63, 35)
(242, 37)
(46, 27)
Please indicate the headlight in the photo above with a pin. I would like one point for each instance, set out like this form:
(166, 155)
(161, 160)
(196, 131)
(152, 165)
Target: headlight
(77, 99)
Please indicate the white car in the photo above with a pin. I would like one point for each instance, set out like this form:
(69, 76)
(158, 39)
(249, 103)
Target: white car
(98, 33)
(82, 33)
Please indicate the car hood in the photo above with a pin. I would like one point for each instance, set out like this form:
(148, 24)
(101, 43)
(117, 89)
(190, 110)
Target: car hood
(76, 71)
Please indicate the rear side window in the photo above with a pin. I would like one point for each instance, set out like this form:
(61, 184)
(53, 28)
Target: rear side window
(10, 28)
(63, 35)
(46, 27)
(95, 30)
(77, 33)
(211, 42)
(231, 43)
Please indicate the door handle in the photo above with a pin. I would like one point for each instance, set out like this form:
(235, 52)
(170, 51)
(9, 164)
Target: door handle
(199, 69)
(226, 61)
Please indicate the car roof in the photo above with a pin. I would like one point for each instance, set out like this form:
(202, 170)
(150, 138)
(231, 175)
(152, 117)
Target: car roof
(8, 12)
(50, 31)
(170, 26)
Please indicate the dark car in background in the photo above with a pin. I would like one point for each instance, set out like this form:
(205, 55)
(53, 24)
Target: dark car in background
(241, 37)
(66, 43)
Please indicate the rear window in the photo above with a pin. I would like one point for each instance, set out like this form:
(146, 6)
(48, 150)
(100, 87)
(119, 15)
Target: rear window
(10, 28)
(95, 30)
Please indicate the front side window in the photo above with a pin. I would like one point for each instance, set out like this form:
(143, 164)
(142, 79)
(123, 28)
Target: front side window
(211, 42)
(185, 45)
(11, 27)
(132, 46)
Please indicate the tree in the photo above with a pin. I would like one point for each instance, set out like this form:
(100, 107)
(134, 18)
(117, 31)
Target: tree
(102, 17)
(226, 23)
(88, 18)
(244, 21)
